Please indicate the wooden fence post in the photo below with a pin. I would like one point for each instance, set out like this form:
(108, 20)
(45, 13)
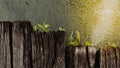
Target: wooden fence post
(21, 47)
(5, 44)
(80, 57)
(48, 50)
(21, 44)
(109, 57)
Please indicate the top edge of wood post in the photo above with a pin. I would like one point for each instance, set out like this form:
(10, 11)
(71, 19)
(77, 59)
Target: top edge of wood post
(5, 22)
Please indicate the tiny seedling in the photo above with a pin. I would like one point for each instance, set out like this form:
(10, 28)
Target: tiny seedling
(77, 36)
(35, 28)
(74, 41)
(61, 29)
(113, 45)
(88, 43)
(44, 27)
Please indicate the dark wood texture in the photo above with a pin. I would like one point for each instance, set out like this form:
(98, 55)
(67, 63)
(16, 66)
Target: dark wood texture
(21, 47)
(21, 44)
(48, 50)
(5, 58)
(80, 57)
(110, 57)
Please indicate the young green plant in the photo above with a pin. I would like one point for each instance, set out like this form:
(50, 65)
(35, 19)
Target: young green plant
(44, 27)
(35, 28)
(88, 43)
(74, 41)
(61, 29)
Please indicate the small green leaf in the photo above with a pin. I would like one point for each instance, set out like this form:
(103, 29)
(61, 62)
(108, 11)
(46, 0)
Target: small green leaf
(70, 39)
(77, 43)
(34, 28)
(44, 27)
(41, 26)
(113, 45)
(73, 44)
(88, 43)
(61, 29)
(77, 36)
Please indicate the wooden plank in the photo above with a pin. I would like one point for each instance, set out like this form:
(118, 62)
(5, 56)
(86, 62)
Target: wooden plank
(21, 41)
(102, 58)
(110, 58)
(80, 57)
(91, 56)
(48, 50)
(19, 48)
(109, 55)
(59, 60)
(35, 49)
(45, 50)
(69, 57)
(76, 57)
(5, 57)
(117, 57)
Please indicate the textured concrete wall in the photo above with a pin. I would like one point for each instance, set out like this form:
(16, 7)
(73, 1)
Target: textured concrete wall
(65, 13)
(36, 11)
(82, 15)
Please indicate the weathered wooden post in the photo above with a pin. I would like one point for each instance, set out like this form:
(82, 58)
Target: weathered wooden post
(80, 57)
(48, 50)
(5, 44)
(21, 44)
(110, 57)
(21, 47)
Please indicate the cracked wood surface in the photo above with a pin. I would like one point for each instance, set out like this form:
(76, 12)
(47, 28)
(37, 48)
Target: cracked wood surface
(21, 47)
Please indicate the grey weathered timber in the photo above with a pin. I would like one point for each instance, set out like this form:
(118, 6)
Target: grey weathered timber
(48, 50)
(21, 47)
(109, 57)
(117, 57)
(80, 57)
(21, 44)
(92, 56)
(5, 44)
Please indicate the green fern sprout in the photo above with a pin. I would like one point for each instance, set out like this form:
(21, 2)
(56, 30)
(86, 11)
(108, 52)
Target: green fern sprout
(77, 36)
(44, 27)
(74, 41)
(61, 29)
